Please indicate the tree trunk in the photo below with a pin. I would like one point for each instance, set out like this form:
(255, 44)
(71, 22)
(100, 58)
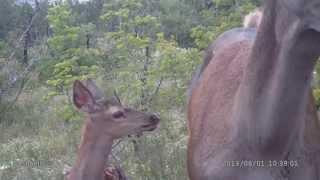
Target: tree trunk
(143, 98)
(26, 42)
(88, 41)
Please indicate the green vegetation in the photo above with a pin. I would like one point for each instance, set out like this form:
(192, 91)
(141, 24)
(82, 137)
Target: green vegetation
(146, 50)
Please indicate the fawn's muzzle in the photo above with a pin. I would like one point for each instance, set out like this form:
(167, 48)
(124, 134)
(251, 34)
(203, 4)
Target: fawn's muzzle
(154, 119)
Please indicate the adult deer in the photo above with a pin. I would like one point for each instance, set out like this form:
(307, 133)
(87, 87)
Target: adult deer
(251, 100)
(106, 120)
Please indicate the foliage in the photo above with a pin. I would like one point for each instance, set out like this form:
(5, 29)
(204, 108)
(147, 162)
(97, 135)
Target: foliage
(227, 16)
(146, 50)
(144, 58)
(316, 94)
(71, 60)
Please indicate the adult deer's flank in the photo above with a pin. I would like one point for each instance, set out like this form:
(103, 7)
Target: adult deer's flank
(106, 120)
(251, 100)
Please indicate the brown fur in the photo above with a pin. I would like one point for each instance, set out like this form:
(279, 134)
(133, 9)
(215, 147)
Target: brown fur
(106, 121)
(251, 102)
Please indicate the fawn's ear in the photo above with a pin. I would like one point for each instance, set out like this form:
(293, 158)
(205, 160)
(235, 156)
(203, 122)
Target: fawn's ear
(83, 98)
(95, 91)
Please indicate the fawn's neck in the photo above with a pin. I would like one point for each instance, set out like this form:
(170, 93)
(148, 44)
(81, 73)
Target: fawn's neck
(92, 155)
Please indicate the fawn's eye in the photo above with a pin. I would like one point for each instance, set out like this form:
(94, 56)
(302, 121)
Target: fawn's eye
(118, 114)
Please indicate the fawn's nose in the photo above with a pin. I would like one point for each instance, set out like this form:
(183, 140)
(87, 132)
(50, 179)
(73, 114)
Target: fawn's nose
(154, 118)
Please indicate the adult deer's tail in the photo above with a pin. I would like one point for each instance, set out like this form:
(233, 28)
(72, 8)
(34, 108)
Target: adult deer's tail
(253, 19)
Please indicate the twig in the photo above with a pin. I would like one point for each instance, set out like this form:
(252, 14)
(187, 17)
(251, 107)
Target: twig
(117, 97)
(23, 35)
(16, 98)
(156, 90)
(115, 145)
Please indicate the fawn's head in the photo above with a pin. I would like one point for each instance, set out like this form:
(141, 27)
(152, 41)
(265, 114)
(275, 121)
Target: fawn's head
(108, 116)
